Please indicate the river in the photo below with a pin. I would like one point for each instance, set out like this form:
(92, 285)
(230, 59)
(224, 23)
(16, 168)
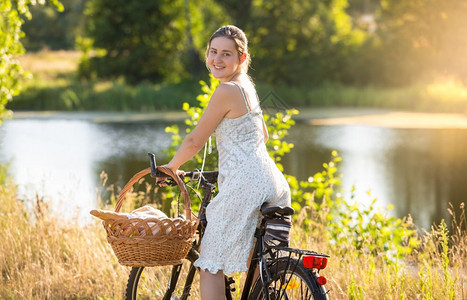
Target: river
(419, 171)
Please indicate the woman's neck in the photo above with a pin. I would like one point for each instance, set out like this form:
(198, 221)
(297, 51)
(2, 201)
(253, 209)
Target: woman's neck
(235, 77)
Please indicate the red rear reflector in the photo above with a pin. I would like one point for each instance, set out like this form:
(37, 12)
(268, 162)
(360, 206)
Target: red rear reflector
(322, 280)
(315, 262)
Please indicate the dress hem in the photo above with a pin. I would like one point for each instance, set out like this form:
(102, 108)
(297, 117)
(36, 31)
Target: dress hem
(214, 267)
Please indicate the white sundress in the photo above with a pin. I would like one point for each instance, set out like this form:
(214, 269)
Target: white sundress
(248, 177)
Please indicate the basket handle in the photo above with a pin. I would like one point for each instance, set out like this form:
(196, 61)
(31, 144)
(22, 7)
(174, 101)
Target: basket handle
(142, 173)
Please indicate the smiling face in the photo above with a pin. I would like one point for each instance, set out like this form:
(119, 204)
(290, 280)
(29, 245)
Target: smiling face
(223, 59)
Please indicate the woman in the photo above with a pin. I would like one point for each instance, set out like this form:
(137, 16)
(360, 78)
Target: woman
(248, 177)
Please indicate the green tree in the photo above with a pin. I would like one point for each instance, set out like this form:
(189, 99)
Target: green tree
(152, 40)
(11, 20)
(302, 42)
(54, 29)
(239, 11)
(422, 38)
(141, 40)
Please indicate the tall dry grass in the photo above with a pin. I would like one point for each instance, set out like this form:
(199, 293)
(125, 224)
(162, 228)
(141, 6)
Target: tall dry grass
(436, 269)
(43, 256)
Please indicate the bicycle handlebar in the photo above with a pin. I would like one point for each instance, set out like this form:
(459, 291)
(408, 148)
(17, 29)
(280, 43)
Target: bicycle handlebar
(210, 176)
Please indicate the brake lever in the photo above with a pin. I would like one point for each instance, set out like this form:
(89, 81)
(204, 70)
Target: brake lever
(168, 182)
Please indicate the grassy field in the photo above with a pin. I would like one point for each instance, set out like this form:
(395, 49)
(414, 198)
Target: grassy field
(43, 256)
(54, 86)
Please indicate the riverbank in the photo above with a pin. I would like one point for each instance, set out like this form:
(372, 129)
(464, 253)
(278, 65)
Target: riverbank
(312, 116)
(54, 85)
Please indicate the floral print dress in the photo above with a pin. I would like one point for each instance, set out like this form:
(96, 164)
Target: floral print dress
(248, 177)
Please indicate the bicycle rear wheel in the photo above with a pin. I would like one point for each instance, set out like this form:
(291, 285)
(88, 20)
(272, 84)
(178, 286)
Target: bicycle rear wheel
(290, 280)
(153, 283)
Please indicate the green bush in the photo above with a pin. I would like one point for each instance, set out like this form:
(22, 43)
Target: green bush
(319, 206)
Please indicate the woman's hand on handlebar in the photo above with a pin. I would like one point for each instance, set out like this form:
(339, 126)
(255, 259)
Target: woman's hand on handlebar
(161, 181)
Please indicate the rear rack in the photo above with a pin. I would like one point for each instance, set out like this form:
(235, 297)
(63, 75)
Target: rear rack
(298, 252)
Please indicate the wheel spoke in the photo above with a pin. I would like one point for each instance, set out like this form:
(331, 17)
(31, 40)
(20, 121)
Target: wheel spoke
(153, 282)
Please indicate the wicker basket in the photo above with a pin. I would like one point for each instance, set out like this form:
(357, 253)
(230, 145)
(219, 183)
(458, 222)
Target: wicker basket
(151, 242)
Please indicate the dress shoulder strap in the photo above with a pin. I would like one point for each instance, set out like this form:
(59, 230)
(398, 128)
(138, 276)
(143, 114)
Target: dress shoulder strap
(243, 94)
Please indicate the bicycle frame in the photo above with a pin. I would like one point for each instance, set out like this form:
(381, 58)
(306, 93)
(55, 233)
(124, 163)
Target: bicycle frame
(257, 259)
(260, 251)
(193, 254)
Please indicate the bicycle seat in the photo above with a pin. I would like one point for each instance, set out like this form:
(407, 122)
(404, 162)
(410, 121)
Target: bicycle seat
(273, 211)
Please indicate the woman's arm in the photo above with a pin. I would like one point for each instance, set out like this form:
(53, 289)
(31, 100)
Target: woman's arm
(217, 108)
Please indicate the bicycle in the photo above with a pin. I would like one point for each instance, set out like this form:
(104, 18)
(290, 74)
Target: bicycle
(284, 273)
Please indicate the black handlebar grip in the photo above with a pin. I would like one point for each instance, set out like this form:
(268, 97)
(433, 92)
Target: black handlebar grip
(152, 161)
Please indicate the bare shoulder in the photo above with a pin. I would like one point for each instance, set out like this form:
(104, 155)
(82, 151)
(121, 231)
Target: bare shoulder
(226, 88)
(226, 92)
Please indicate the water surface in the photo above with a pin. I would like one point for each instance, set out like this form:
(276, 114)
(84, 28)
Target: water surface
(419, 171)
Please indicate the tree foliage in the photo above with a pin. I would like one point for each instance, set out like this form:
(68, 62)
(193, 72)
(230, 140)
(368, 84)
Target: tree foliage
(239, 10)
(140, 39)
(151, 40)
(387, 42)
(307, 41)
(11, 19)
(52, 29)
(421, 38)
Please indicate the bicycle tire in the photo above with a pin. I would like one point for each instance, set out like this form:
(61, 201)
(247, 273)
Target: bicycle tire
(152, 283)
(301, 283)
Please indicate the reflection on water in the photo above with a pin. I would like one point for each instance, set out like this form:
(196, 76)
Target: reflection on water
(61, 160)
(419, 171)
